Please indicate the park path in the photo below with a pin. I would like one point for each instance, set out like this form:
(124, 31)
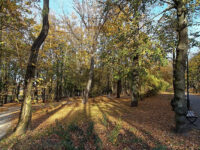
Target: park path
(5, 119)
(195, 106)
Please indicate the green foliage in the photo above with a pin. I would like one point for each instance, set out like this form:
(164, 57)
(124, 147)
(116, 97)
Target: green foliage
(113, 135)
(105, 120)
(194, 75)
(160, 147)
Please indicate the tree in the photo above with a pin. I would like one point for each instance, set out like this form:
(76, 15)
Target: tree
(26, 109)
(15, 27)
(92, 18)
(179, 100)
(194, 69)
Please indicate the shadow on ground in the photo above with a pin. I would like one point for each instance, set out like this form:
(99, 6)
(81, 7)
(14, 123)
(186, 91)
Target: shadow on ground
(107, 123)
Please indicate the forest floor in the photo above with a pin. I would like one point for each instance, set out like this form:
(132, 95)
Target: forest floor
(104, 123)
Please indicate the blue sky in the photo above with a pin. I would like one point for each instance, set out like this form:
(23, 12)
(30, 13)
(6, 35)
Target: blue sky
(58, 6)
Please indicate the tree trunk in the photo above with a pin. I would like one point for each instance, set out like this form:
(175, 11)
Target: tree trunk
(108, 89)
(1, 43)
(36, 96)
(188, 86)
(119, 87)
(57, 82)
(179, 101)
(18, 90)
(135, 82)
(135, 74)
(43, 95)
(89, 83)
(174, 62)
(61, 79)
(6, 87)
(13, 95)
(6, 97)
(26, 109)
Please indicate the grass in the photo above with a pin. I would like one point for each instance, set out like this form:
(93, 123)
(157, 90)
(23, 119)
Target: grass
(105, 123)
(114, 133)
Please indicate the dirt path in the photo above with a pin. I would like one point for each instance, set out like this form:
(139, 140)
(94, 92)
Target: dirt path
(5, 119)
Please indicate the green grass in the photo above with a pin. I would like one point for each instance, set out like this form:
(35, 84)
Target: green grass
(112, 137)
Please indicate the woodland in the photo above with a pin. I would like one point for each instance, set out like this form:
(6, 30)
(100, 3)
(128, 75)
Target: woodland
(110, 74)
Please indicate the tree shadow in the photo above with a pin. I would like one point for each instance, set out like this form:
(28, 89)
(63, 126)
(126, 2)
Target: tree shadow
(44, 117)
(83, 116)
(121, 106)
(36, 122)
(121, 137)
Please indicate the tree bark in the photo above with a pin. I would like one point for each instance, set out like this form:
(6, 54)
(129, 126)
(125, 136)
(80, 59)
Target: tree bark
(26, 108)
(43, 95)
(179, 102)
(119, 87)
(89, 83)
(1, 43)
(57, 82)
(6, 86)
(18, 90)
(135, 82)
(174, 62)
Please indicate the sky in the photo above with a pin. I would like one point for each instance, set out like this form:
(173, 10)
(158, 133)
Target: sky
(57, 6)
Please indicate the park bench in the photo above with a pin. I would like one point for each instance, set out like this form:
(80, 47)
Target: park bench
(191, 117)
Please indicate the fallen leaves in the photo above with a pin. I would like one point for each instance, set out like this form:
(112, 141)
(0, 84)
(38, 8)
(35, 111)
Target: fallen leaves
(118, 125)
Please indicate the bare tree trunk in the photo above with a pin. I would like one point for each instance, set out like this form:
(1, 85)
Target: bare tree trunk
(61, 78)
(26, 109)
(57, 82)
(119, 88)
(89, 83)
(179, 102)
(6, 86)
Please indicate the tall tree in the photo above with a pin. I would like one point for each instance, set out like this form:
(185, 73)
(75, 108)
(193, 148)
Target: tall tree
(14, 28)
(93, 17)
(179, 101)
(26, 108)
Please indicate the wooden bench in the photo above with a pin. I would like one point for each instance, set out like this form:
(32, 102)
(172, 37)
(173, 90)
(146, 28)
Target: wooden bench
(191, 117)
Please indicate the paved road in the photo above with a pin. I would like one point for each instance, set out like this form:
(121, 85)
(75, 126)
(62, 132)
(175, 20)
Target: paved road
(195, 105)
(5, 119)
